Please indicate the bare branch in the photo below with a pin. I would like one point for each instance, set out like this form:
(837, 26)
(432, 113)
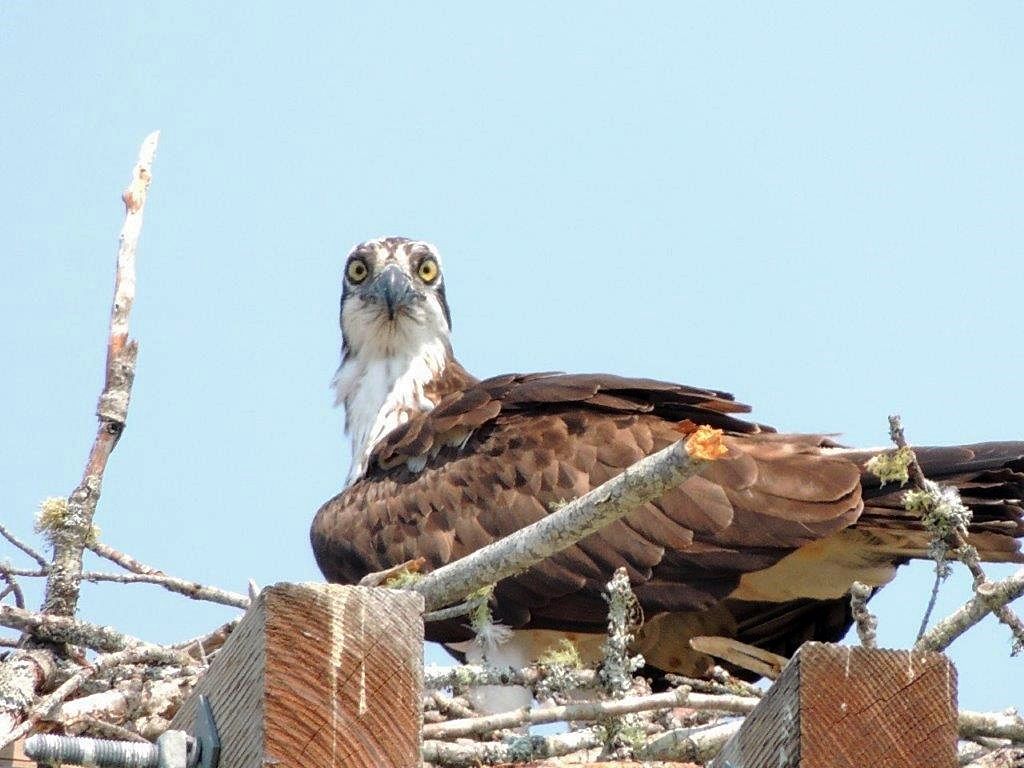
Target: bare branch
(190, 589)
(471, 675)
(696, 744)
(61, 629)
(988, 596)
(865, 620)
(62, 585)
(209, 642)
(999, 725)
(951, 535)
(647, 479)
(12, 586)
(26, 548)
(589, 710)
(518, 750)
(126, 561)
(73, 683)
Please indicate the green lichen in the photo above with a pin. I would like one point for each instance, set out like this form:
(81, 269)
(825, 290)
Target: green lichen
(402, 579)
(52, 515)
(892, 467)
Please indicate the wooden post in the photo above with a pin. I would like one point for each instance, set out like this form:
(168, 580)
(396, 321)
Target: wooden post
(841, 707)
(319, 674)
(13, 756)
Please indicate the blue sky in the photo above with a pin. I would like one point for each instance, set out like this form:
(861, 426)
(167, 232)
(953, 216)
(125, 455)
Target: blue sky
(815, 206)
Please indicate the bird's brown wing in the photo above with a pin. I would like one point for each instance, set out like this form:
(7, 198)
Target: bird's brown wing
(500, 454)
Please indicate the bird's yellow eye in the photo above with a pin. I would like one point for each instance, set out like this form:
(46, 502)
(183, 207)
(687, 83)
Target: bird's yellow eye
(428, 270)
(357, 271)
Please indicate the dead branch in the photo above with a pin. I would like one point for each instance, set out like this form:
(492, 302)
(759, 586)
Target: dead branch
(1002, 757)
(61, 629)
(69, 538)
(26, 548)
(866, 622)
(471, 675)
(645, 480)
(988, 596)
(126, 561)
(588, 711)
(190, 589)
(150, 653)
(210, 642)
(516, 750)
(952, 536)
(695, 744)
(998, 725)
(13, 587)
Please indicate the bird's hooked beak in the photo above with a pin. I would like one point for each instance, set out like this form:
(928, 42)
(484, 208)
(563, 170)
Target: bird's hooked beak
(393, 288)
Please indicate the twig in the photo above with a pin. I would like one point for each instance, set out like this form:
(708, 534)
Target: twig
(26, 548)
(461, 609)
(518, 750)
(73, 683)
(951, 535)
(647, 479)
(589, 710)
(129, 700)
(695, 744)
(1003, 757)
(61, 629)
(62, 585)
(987, 597)
(723, 682)
(472, 675)
(190, 589)
(13, 587)
(211, 641)
(865, 620)
(123, 559)
(999, 725)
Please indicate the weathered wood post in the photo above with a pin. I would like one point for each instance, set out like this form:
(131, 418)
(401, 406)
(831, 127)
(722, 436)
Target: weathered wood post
(840, 707)
(319, 674)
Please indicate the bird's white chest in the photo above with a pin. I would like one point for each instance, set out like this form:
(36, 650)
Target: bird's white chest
(381, 392)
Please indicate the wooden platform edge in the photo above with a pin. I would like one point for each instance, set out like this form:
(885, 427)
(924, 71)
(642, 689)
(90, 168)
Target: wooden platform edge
(849, 707)
(319, 674)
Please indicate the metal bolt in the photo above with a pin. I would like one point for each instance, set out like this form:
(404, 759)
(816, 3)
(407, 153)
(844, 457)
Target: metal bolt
(174, 749)
(45, 748)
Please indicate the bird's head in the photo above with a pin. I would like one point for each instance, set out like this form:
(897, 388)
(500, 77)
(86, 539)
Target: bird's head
(392, 299)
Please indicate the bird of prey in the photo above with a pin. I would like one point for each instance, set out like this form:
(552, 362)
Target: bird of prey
(762, 547)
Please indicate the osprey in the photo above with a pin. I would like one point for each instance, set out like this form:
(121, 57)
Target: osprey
(762, 547)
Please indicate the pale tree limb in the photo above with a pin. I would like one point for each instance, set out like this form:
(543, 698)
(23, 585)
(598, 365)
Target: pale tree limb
(472, 675)
(1002, 757)
(61, 629)
(517, 750)
(866, 622)
(26, 548)
(73, 683)
(647, 479)
(988, 596)
(69, 538)
(69, 534)
(13, 587)
(128, 701)
(698, 745)
(123, 559)
(953, 538)
(587, 711)
(190, 589)
(997, 725)
(209, 642)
